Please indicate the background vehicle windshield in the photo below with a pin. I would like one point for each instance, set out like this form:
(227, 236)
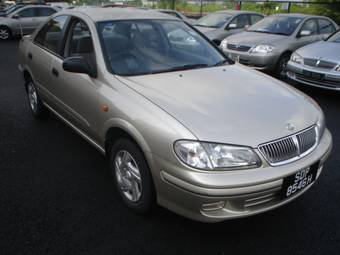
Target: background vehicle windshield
(276, 25)
(335, 38)
(152, 46)
(215, 20)
(16, 7)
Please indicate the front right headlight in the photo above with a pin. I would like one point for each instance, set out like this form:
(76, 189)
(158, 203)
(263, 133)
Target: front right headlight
(296, 58)
(213, 156)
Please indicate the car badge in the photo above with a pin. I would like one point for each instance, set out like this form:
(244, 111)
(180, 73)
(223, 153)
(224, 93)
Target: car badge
(290, 127)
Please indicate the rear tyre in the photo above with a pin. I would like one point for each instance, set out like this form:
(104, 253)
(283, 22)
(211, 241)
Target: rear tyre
(37, 107)
(132, 176)
(281, 69)
(5, 33)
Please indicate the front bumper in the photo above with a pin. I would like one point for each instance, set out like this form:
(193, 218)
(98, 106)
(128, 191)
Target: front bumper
(217, 196)
(313, 76)
(263, 62)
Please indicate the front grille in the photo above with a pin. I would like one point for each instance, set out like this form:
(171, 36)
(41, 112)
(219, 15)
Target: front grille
(325, 82)
(236, 47)
(319, 63)
(289, 148)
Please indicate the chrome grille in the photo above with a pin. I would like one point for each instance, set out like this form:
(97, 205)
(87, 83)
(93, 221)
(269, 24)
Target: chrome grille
(238, 47)
(289, 148)
(319, 63)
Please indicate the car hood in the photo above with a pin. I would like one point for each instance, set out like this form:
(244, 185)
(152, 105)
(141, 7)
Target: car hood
(254, 38)
(230, 104)
(329, 51)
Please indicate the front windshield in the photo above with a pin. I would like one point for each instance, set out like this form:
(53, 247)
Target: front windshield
(215, 20)
(282, 25)
(335, 38)
(140, 47)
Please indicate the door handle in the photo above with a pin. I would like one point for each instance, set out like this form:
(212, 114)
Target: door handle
(30, 56)
(55, 72)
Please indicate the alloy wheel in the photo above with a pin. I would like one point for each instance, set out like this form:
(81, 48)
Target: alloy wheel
(32, 97)
(128, 176)
(4, 33)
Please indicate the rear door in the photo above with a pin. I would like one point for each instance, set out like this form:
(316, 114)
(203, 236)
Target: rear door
(46, 46)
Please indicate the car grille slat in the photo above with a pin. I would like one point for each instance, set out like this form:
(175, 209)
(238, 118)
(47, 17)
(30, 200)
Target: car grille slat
(243, 48)
(289, 148)
(317, 63)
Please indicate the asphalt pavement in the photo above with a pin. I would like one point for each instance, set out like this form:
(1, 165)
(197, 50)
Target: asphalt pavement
(57, 197)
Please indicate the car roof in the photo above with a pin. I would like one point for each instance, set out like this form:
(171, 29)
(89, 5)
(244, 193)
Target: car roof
(104, 14)
(235, 12)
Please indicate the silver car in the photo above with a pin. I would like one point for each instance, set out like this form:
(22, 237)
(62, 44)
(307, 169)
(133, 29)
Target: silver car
(219, 25)
(181, 126)
(269, 44)
(24, 20)
(317, 64)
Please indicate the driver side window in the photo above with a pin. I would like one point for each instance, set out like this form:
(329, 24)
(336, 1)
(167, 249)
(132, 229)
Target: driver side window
(27, 13)
(239, 22)
(310, 25)
(80, 42)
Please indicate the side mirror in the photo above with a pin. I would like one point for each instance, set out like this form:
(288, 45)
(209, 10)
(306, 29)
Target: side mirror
(15, 16)
(79, 65)
(305, 33)
(232, 26)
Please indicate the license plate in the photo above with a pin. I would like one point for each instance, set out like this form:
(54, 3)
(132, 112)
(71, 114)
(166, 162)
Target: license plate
(299, 181)
(313, 75)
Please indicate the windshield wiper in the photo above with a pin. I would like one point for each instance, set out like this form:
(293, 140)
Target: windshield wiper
(199, 25)
(267, 32)
(221, 62)
(179, 68)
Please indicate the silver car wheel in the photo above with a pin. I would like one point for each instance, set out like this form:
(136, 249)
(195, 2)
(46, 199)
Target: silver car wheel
(4, 33)
(32, 96)
(128, 176)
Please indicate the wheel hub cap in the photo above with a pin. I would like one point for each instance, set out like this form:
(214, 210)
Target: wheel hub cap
(4, 34)
(128, 176)
(32, 97)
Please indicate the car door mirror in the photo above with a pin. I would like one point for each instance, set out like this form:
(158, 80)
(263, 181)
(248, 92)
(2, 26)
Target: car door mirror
(79, 65)
(16, 16)
(305, 33)
(232, 26)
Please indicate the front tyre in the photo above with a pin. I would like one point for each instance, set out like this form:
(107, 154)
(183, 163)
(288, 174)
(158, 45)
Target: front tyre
(5, 33)
(281, 69)
(132, 175)
(36, 105)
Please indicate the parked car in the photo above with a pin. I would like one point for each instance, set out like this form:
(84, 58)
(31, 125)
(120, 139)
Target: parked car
(177, 15)
(317, 64)
(24, 20)
(219, 25)
(269, 44)
(182, 126)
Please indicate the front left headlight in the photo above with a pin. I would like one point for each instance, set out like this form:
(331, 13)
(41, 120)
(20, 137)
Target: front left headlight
(296, 58)
(212, 156)
(337, 68)
(262, 49)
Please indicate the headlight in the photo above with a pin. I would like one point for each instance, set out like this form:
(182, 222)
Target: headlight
(211, 156)
(296, 58)
(224, 44)
(337, 68)
(262, 49)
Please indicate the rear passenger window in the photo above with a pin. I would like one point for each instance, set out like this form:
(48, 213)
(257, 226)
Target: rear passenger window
(45, 12)
(51, 34)
(255, 18)
(326, 27)
(311, 25)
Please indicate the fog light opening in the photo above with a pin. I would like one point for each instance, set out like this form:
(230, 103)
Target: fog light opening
(213, 206)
